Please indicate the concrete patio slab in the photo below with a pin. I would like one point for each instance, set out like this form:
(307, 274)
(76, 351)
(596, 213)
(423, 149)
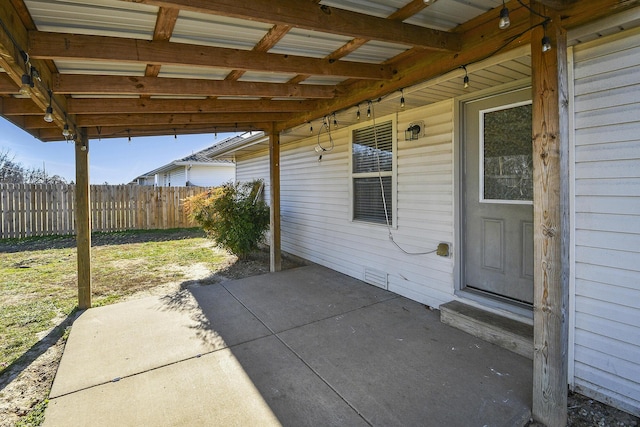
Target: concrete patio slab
(303, 295)
(190, 393)
(308, 346)
(406, 368)
(124, 339)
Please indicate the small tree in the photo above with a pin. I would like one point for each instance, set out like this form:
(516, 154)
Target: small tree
(233, 215)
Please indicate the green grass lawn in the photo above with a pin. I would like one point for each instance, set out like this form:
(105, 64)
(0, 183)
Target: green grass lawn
(38, 286)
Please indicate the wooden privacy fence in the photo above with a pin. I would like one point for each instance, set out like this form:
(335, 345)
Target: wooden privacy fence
(49, 209)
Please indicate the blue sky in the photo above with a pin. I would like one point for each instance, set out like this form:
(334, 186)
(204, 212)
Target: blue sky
(115, 161)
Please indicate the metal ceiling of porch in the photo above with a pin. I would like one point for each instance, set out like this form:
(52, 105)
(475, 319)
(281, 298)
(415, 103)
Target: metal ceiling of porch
(121, 68)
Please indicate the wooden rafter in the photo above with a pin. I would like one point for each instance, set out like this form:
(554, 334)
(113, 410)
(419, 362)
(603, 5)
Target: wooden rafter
(168, 106)
(44, 45)
(165, 23)
(273, 36)
(176, 119)
(128, 85)
(325, 19)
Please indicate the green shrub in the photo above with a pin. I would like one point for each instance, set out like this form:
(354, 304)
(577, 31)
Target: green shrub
(233, 215)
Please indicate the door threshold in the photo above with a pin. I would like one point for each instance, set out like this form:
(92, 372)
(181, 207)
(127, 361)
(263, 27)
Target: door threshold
(506, 307)
(489, 326)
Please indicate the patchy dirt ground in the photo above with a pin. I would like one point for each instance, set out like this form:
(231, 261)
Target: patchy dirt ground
(27, 382)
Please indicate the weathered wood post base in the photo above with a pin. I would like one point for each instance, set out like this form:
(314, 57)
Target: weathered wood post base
(83, 221)
(550, 216)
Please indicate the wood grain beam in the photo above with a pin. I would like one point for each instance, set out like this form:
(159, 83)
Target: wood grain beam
(128, 85)
(44, 45)
(13, 39)
(176, 119)
(108, 132)
(8, 86)
(322, 18)
(550, 118)
(480, 40)
(165, 23)
(273, 36)
(80, 106)
(11, 106)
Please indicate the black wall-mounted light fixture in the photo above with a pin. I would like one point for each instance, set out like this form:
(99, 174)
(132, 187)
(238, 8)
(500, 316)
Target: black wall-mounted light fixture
(412, 133)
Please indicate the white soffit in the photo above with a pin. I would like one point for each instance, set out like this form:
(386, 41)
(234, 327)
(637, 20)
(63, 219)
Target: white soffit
(96, 17)
(219, 31)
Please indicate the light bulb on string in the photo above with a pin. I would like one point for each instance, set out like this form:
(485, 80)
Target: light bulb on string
(504, 22)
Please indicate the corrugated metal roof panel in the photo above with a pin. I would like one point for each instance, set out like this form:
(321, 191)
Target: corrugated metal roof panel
(446, 15)
(220, 31)
(98, 17)
(309, 43)
(256, 76)
(184, 72)
(98, 67)
(441, 15)
(376, 52)
(323, 80)
(381, 9)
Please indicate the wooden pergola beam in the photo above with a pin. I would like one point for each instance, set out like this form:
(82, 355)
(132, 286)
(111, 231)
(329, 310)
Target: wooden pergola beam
(299, 14)
(81, 106)
(176, 119)
(107, 132)
(56, 46)
(81, 84)
(550, 91)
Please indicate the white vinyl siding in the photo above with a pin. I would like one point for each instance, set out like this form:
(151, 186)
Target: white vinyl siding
(606, 232)
(210, 176)
(315, 207)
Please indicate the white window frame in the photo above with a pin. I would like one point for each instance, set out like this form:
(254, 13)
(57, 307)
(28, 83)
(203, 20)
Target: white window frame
(481, 156)
(393, 174)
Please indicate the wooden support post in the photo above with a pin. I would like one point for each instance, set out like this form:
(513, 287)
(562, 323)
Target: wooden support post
(551, 224)
(274, 191)
(83, 221)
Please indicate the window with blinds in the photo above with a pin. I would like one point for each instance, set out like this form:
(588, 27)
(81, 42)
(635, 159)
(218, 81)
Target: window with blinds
(372, 173)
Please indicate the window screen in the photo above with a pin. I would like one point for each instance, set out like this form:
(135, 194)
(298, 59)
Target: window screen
(372, 172)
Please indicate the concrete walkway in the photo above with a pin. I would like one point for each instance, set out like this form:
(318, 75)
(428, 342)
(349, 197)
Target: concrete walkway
(307, 346)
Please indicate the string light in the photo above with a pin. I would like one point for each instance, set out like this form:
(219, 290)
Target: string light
(546, 41)
(465, 80)
(335, 121)
(505, 22)
(369, 110)
(401, 98)
(48, 115)
(310, 127)
(358, 113)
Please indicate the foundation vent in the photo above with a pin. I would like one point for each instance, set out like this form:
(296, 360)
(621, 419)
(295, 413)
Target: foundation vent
(376, 278)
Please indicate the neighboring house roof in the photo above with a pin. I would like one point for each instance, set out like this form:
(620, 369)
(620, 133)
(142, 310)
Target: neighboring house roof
(200, 158)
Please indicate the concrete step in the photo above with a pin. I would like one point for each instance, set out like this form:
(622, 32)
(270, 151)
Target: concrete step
(507, 333)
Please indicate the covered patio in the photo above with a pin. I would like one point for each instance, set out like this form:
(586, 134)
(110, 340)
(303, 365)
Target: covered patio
(99, 69)
(307, 346)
